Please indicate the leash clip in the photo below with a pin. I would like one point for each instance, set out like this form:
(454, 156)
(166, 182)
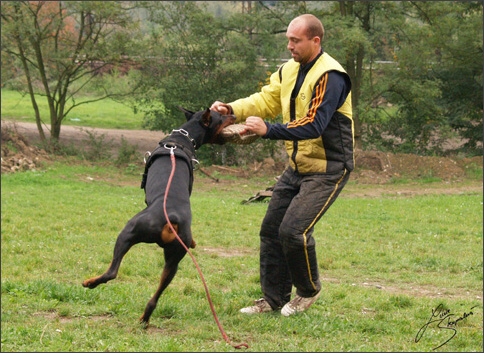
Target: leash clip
(171, 148)
(195, 163)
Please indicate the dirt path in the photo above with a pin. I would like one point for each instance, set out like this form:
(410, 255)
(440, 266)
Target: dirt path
(144, 140)
(373, 174)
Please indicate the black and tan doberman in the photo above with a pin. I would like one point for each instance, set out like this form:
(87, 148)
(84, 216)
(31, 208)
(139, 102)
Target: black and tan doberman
(150, 225)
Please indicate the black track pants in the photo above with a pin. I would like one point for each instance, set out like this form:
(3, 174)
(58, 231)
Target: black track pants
(287, 248)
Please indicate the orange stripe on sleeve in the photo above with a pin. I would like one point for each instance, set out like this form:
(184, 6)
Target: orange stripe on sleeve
(313, 106)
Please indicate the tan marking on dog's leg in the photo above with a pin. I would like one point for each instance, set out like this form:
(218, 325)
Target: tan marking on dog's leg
(167, 235)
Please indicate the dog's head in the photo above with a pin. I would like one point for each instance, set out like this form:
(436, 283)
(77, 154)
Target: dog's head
(212, 123)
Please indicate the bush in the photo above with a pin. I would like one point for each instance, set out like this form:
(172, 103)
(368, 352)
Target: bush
(126, 154)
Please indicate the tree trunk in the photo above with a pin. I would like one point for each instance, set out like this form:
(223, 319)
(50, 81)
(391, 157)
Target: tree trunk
(31, 91)
(354, 66)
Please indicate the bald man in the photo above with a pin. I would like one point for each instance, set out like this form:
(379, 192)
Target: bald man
(312, 92)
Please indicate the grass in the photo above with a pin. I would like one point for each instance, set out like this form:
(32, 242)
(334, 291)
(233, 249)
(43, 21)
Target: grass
(385, 264)
(101, 114)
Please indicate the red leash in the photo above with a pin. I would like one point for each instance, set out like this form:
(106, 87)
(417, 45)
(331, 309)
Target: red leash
(226, 338)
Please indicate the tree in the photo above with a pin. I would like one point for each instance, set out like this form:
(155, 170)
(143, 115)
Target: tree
(197, 59)
(61, 46)
(416, 71)
(356, 18)
(415, 67)
(459, 51)
(437, 86)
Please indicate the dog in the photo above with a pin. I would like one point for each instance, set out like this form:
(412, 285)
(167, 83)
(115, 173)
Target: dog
(150, 225)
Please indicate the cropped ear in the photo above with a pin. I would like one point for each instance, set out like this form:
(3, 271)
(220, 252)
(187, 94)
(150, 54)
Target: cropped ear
(188, 113)
(206, 118)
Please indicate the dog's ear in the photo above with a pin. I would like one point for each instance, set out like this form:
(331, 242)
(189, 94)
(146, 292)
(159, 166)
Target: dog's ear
(188, 113)
(206, 119)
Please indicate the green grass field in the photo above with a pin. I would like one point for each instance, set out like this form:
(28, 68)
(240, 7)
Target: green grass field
(106, 113)
(387, 264)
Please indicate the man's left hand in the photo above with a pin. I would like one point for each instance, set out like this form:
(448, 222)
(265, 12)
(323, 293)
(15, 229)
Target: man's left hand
(256, 125)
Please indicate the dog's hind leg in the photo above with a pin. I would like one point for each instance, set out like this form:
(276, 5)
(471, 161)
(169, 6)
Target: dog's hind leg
(173, 255)
(133, 233)
(120, 249)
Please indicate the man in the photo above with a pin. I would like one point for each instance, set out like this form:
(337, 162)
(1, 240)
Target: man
(312, 91)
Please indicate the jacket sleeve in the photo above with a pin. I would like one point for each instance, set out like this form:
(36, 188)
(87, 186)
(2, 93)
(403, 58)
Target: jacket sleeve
(266, 103)
(328, 95)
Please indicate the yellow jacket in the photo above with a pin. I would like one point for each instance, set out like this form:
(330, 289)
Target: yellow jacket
(319, 132)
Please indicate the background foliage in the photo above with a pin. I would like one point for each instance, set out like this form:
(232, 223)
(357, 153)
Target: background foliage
(416, 67)
(55, 51)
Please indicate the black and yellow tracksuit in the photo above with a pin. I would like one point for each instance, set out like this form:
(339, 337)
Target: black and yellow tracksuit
(317, 128)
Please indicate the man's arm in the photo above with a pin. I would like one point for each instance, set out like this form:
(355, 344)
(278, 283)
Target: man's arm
(322, 107)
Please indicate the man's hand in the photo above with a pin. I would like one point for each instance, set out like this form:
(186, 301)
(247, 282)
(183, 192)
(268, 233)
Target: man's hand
(238, 134)
(221, 107)
(256, 125)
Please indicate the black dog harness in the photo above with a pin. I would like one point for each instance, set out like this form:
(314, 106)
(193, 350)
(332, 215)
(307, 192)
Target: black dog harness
(182, 145)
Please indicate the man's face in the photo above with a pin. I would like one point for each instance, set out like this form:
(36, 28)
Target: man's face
(302, 49)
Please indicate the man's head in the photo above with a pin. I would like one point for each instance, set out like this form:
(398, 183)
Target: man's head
(304, 35)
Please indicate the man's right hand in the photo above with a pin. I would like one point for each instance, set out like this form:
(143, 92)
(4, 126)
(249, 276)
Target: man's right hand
(221, 107)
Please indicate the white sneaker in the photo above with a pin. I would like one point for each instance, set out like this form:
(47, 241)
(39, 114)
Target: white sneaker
(261, 306)
(298, 304)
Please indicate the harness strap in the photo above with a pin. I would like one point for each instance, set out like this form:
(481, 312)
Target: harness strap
(163, 149)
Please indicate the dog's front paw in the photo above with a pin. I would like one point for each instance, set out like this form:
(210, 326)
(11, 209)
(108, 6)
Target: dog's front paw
(144, 322)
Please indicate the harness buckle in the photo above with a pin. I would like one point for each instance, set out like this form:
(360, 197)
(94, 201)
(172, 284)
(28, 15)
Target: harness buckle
(183, 132)
(187, 135)
(146, 156)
